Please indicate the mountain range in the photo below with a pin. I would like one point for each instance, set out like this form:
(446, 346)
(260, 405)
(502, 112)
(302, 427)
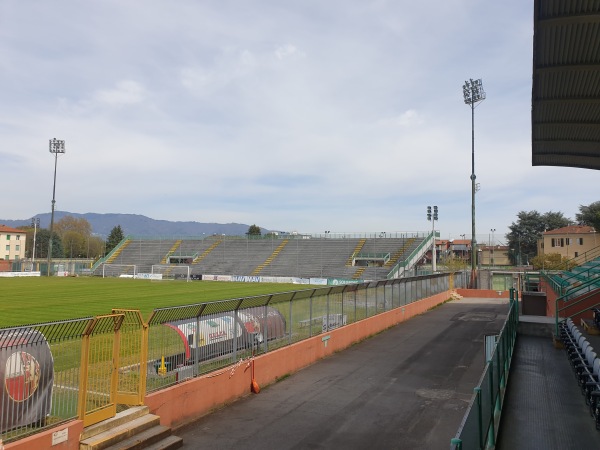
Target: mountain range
(138, 225)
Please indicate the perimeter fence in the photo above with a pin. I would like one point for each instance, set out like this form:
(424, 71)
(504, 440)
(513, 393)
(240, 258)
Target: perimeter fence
(88, 368)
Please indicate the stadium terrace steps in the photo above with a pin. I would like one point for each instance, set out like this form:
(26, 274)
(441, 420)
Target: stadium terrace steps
(270, 258)
(134, 428)
(116, 254)
(207, 251)
(357, 249)
(171, 251)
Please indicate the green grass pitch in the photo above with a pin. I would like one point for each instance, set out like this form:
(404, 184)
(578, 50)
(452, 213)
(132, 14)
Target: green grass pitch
(31, 300)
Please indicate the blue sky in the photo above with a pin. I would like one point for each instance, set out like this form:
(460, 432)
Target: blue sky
(305, 116)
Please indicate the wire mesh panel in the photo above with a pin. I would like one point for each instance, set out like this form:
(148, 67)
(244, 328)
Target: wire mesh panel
(132, 357)
(40, 368)
(100, 363)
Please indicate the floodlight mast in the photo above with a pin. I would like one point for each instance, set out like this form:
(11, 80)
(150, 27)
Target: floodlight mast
(56, 146)
(473, 93)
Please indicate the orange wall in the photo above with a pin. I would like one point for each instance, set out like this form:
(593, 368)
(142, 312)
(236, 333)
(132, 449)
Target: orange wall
(572, 310)
(192, 399)
(483, 293)
(43, 440)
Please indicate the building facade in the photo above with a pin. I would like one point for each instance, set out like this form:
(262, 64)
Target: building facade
(569, 242)
(12, 243)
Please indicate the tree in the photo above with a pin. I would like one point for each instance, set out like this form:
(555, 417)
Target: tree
(41, 244)
(75, 234)
(589, 215)
(96, 246)
(70, 223)
(524, 234)
(552, 261)
(116, 235)
(253, 230)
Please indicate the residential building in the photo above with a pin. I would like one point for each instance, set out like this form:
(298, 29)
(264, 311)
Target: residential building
(569, 242)
(12, 243)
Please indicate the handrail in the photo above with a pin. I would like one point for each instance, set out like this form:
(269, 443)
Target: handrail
(106, 257)
(478, 428)
(590, 283)
(409, 260)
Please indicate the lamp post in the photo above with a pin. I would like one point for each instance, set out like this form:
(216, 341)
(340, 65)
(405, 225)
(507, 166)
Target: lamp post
(433, 217)
(35, 223)
(473, 93)
(56, 146)
(492, 258)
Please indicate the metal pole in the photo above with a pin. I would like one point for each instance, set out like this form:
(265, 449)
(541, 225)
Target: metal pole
(473, 93)
(56, 146)
(473, 177)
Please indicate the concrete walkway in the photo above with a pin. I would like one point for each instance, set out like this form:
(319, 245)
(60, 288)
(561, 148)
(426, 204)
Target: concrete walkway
(407, 387)
(544, 407)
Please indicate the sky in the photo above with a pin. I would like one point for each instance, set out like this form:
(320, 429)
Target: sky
(308, 115)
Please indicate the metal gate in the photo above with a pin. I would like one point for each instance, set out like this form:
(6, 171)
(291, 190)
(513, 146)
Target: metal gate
(113, 365)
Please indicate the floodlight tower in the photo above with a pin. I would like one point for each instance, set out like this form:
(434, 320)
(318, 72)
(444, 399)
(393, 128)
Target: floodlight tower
(56, 146)
(433, 217)
(473, 93)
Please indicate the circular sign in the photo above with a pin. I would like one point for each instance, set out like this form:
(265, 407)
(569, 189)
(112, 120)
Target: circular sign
(22, 376)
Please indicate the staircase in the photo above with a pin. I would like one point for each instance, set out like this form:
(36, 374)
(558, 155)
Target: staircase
(357, 249)
(118, 252)
(206, 252)
(270, 259)
(171, 251)
(359, 272)
(132, 429)
(396, 256)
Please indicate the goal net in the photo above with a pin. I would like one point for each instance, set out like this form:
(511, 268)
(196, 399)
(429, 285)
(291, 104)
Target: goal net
(118, 270)
(172, 272)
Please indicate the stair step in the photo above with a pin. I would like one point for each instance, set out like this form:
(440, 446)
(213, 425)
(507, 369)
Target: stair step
(170, 443)
(119, 433)
(119, 419)
(143, 440)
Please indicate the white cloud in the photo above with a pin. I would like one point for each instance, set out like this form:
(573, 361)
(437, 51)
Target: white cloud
(126, 92)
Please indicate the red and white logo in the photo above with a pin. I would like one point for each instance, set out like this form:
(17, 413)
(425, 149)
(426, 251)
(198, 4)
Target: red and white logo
(22, 376)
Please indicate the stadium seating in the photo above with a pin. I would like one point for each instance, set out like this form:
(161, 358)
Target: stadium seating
(283, 256)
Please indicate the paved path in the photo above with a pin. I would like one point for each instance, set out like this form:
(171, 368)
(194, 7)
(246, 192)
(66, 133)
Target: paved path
(407, 387)
(543, 406)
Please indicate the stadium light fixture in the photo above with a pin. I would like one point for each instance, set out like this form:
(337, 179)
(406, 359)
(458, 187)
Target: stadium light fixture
(433, 217)
(56, 146)
(473, 93)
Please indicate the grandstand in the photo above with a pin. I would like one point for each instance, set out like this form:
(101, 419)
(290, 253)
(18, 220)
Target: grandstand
(359, 257)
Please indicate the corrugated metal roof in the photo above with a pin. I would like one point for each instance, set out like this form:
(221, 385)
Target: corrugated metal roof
(566, 84)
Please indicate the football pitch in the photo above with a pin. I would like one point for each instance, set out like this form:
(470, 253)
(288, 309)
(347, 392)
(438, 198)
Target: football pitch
(40, 299)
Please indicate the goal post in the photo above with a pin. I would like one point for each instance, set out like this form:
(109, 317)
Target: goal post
(172, 272)
(118, 270)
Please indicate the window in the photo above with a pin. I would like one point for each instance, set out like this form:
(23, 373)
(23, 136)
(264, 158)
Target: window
(580, 241)
(8, 248)
(576, 254)
(8, 237)
(17, 248)
(16, 257)
(18, 237)
(558, 242)
(569, 241)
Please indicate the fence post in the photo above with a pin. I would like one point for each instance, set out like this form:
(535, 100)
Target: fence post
(456, 443)
(490, 431)
(477, 391)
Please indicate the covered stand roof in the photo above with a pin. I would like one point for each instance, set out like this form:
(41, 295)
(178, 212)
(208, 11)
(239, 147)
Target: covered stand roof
(566, 84)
